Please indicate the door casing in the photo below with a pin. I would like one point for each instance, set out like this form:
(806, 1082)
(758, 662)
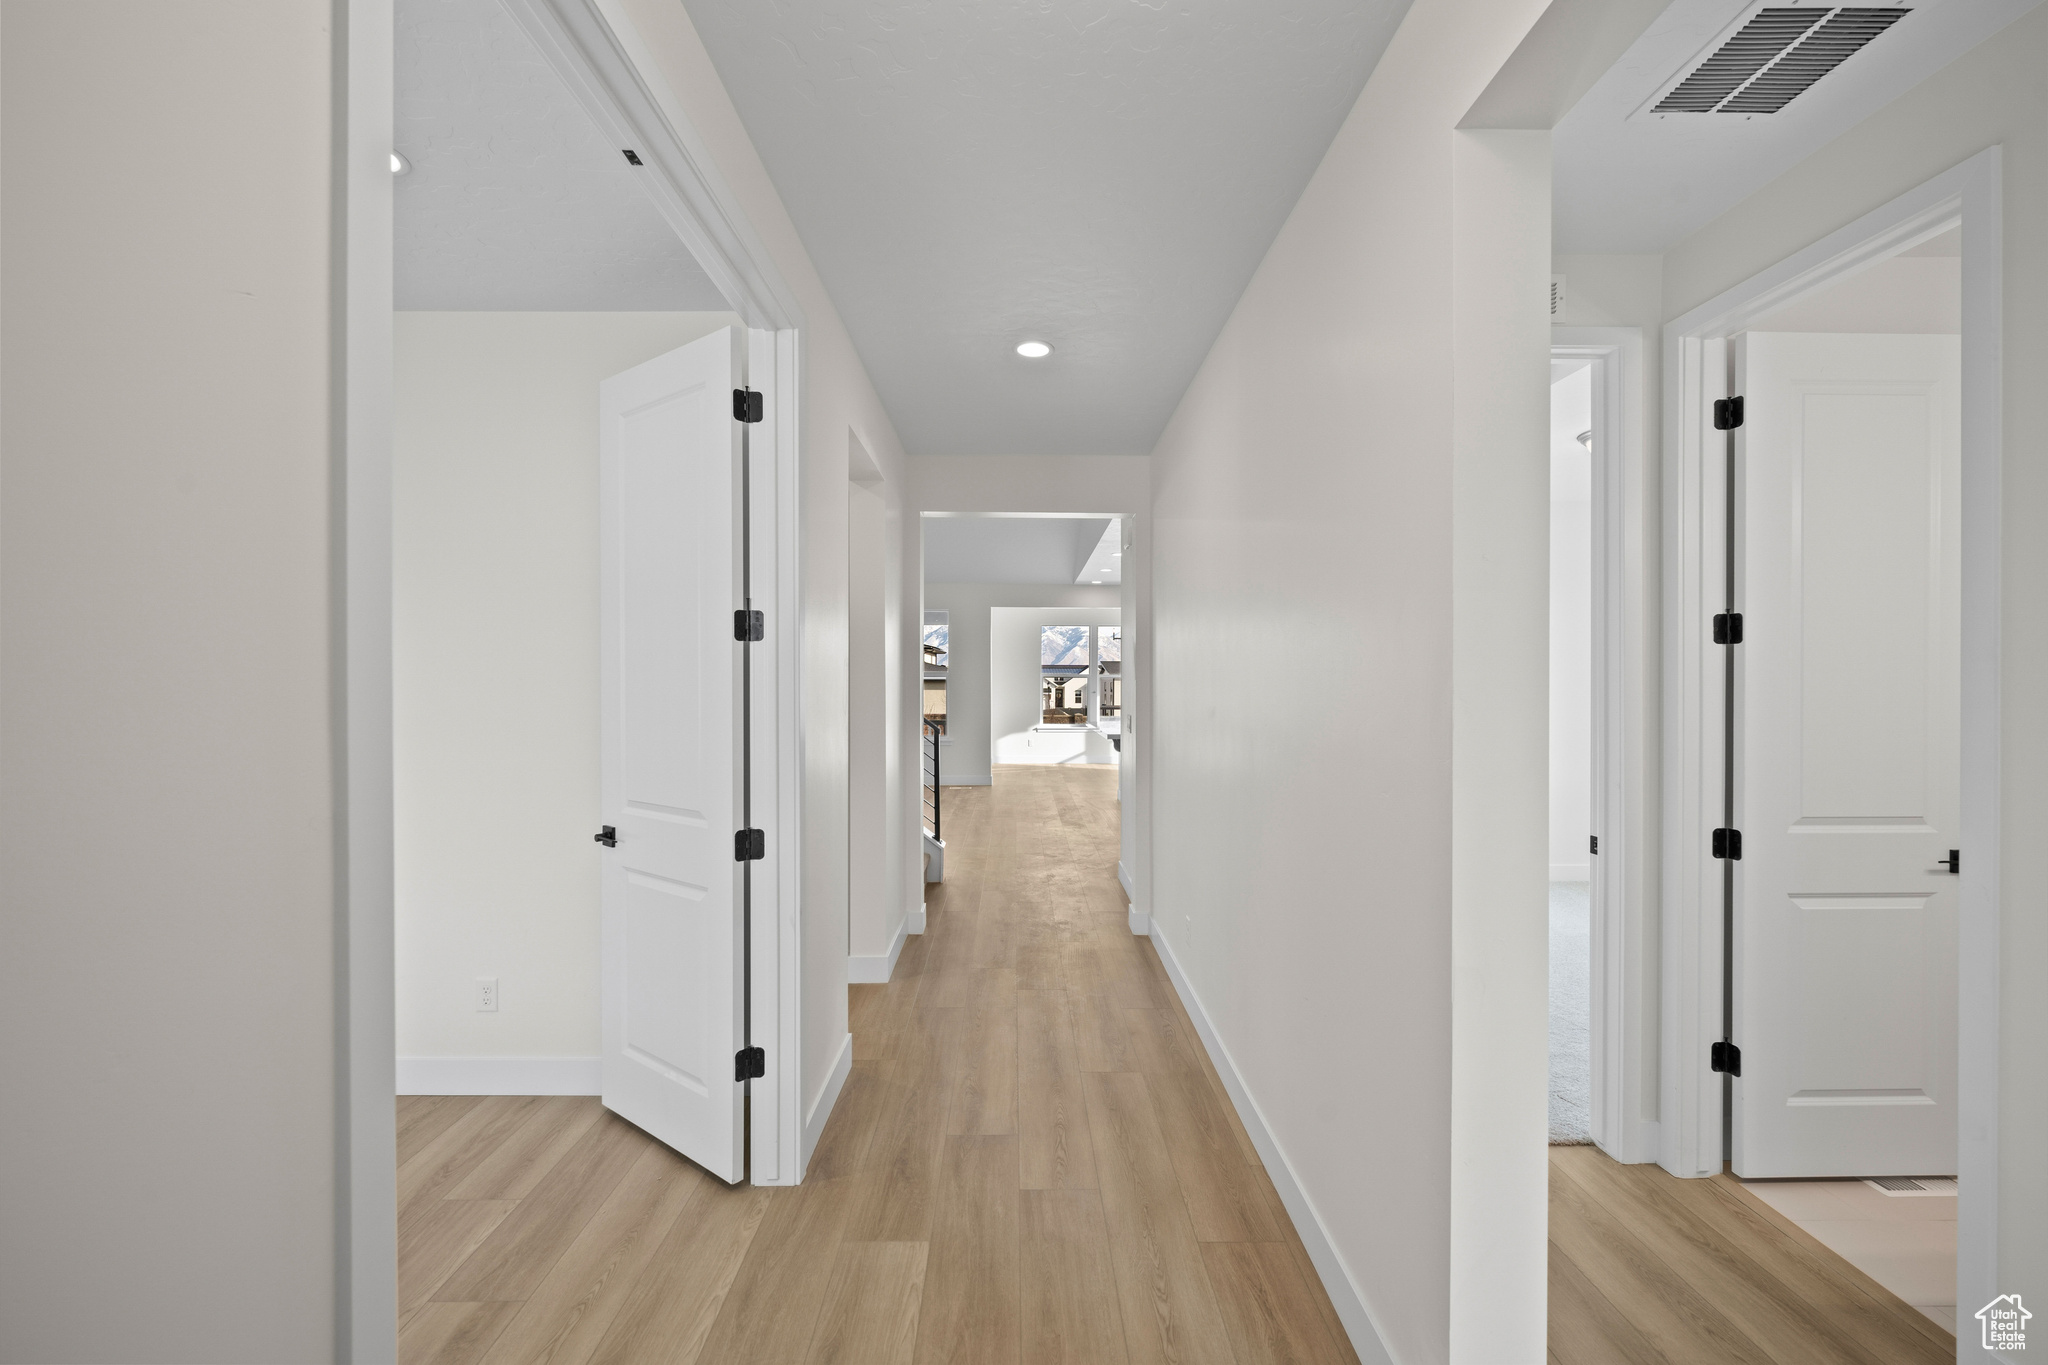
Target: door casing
(1696, 371)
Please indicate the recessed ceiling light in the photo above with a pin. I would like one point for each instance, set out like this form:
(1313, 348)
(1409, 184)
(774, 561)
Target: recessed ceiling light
(1033, 350)
(399, 165)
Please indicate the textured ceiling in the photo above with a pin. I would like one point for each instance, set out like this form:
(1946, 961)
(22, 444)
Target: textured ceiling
(1013, 549)
(1629, 182)
(1101, 174)
(514, 201)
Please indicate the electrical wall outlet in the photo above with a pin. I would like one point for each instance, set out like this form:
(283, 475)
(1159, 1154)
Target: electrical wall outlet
(487, 994)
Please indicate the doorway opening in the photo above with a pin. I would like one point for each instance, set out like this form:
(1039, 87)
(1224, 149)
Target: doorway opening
(1022, 665)
(1573, 840)
(1830, 990)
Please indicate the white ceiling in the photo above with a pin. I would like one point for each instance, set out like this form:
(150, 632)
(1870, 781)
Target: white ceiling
(514, 201)
(1042, 550)
(1101, 174)
(1641, 184)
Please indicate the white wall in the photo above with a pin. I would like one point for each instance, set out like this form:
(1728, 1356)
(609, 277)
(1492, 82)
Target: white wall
(1992, 96)
(168, 685)
(1571, 629)
(495, 656)
(970, 744)
(839, 402)
(1905, 294)
(1320, 878)
(874, 910)
(1014, 681)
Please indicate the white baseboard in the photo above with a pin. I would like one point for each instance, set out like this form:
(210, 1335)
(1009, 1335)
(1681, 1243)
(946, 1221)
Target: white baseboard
(1571, 872)
(971, 780)
(1123, 878)
(500, 1075)
(871, 970)
(915, 922)
(814, 1126)
(1336, 1276)
(1140, 922)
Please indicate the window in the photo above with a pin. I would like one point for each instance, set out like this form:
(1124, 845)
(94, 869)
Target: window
(936, 655)
(1109, 669)
(1063, 669)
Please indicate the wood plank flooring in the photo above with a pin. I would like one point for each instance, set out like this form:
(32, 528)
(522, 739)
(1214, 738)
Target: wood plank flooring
(1032, 1161)
(1647, 1269)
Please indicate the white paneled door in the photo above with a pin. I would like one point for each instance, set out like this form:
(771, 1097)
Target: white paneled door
(1847, 755)
(672, 748)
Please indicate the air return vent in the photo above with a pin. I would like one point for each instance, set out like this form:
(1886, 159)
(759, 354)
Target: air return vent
(1898, 1185)
(1777, 54)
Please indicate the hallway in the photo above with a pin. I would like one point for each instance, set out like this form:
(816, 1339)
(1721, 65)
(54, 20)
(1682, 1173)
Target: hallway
(1032, 1161)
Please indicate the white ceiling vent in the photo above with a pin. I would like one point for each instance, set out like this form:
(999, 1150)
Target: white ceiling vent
(1771, 57)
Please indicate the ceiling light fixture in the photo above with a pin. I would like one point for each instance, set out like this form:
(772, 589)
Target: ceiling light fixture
(1033, 350)
(399, 165)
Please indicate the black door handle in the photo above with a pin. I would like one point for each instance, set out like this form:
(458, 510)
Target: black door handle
(1953, 862)
(608, 836)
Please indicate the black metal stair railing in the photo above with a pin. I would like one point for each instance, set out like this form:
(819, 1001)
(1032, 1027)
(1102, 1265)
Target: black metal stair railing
(931, 779)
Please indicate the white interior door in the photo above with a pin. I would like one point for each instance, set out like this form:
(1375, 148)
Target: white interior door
(672, 737)
(1847, 756)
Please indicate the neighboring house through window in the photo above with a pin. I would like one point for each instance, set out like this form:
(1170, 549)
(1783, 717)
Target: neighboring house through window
(936, 655)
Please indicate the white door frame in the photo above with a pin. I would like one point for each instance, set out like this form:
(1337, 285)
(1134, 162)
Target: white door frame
(1695, 373)
(608, 68)
(1621, 1109)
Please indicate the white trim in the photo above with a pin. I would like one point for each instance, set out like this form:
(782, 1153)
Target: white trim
(1694, 361)
(1139, 922)
(1330, 1267)
(500, 1075)
(914, 924)
(971, 780)
(1620, 907)
(1123, 879)
(366, 1153)
(828, 1099)
(871, 970)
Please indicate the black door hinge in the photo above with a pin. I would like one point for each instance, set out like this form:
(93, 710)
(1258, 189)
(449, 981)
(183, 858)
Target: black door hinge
(1596, 843)
(1727, 413)
(747, 406)
(1728, 628)
(608, 836)
(1725, 1056)
(749, 845)
(632, 157)
(749, 625)
(749, 1064)
(1728, 844)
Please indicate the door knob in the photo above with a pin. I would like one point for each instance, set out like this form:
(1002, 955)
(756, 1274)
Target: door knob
(1953, 862)
(608, 836)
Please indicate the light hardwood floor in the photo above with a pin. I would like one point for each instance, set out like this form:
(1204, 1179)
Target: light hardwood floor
(1032, 1161)
(1647, 1269)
